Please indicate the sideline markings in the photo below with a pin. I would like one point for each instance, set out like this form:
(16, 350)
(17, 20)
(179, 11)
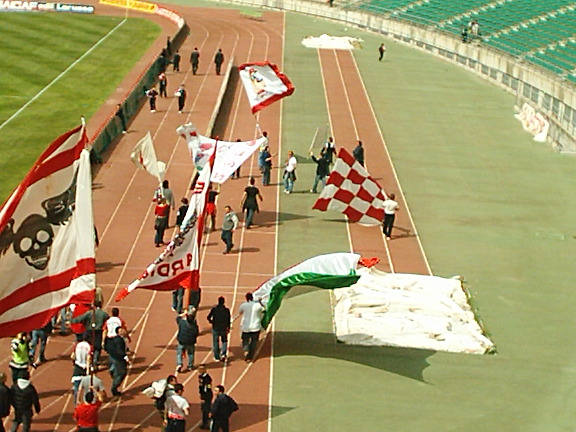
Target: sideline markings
(55, 80)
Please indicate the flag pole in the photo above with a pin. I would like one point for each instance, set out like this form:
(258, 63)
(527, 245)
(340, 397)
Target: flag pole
(257, 130)
(200, 229)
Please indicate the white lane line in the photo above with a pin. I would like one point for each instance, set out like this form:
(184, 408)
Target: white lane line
(55, 80)
(408, 212)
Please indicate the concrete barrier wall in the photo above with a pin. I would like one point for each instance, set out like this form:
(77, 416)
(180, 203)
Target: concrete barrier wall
(550, 94)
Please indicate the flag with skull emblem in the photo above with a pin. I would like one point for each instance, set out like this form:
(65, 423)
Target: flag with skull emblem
(47, 237)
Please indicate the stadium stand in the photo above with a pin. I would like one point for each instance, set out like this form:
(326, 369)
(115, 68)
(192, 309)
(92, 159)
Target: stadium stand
(541, 32)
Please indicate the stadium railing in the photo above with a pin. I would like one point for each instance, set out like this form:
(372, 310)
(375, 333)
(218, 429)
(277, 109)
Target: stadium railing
(111, 128)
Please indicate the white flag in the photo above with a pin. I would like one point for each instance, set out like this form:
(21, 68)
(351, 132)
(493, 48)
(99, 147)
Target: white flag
(47, 237)
(179, 263)
(144, 157)
(200, 150)
(264, 84)
(229, 154)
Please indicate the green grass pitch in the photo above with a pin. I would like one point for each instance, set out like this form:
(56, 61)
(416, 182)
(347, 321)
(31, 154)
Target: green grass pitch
(37, 51)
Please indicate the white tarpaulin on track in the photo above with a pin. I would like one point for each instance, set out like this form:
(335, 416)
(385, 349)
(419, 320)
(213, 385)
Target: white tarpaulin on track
(406, 310)
(332, 42)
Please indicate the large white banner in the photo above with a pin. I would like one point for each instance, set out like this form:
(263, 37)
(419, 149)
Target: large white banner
(47, 237)
(179, 263)
(229, 154)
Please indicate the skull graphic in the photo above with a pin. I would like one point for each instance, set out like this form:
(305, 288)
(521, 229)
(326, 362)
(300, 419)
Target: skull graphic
(33, 240)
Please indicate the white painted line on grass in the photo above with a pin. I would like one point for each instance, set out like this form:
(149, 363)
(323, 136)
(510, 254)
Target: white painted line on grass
(55, 80)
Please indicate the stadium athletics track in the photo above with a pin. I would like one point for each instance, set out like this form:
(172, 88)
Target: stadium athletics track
(123, 212)
(117, 183)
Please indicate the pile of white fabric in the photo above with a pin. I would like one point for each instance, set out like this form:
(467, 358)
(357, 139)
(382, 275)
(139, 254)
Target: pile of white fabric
(406, 310)
(332, 42)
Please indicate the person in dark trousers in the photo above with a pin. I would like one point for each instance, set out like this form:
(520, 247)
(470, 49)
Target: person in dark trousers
(40, 337)
(168, 46)
(358, 153)
(181, 95)
(195, 60)
(182, 210)
(390, 209)
(163, 60)
(20, 361)
(221, 410)
(219, 317)
(381, 51)
(330, 150)
(266, 157)
(186, 338)
(205, 390)
(322, 170)
(163, 84)
(218, 60)
(176, 62)
(252, 312)
(6, 400)
(229, 225)
(118, 359)
(152, 94)
(250, 201)
(94, 320)
(24, 397)
(211, 208)
(122, 117)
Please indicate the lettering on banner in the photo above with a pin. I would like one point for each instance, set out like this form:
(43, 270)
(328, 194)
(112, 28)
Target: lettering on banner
(169, 270)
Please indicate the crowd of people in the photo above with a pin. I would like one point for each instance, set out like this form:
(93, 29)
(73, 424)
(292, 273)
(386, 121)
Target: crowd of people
(102, 332)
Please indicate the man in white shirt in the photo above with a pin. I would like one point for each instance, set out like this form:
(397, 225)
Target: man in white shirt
(252, 313)
(177, 409)
(390, 209)
(82, 357)
(290, 172)
(90, 382)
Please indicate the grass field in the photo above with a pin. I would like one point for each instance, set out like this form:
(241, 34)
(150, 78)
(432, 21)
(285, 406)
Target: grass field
(490, 204)
(38, 51)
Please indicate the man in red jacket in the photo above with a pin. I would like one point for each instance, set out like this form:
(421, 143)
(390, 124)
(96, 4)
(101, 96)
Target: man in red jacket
(86, 413)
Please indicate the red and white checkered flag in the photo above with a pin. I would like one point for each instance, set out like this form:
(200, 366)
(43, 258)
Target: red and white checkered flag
(351, 190)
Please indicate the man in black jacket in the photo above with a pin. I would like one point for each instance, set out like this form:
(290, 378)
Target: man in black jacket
(187, 336)
(118, 359)
(219, 317)
(322, 170)
(222, 409)
(24, 397)
(205, 390)
(5, 400)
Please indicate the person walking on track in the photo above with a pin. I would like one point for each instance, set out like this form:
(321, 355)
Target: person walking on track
(229, 225)
(195, 60)
(390, 209)
(218, 60)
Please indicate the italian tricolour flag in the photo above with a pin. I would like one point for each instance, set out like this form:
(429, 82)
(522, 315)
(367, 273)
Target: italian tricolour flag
(335, 270)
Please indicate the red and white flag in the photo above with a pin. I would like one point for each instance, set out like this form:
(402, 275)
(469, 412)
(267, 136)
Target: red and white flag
(351, 190)
(47, 237)
(264, 84)
(144, 157)
(229, 154)
(179, 263)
